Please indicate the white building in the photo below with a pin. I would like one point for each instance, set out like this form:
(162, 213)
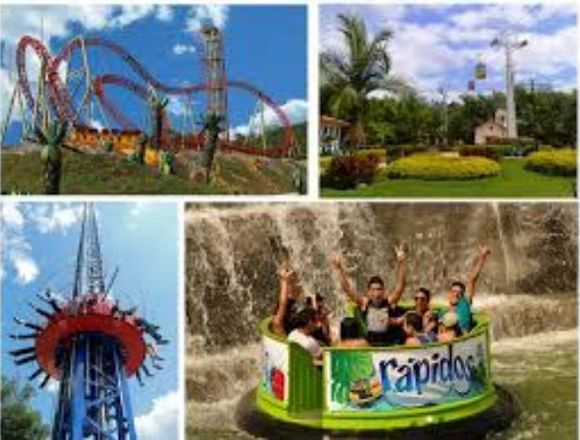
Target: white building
(494, 128)
(331, 134)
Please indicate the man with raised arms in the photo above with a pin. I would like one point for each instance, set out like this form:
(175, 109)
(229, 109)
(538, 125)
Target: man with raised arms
(377, 303)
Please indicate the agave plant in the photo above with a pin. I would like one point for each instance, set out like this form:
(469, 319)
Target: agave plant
(158, 104)
(212, 128)
(166, 160)
(51, 154)
(141, 146)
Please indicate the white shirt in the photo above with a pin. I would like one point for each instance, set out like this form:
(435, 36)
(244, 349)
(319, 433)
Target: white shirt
(306, 341)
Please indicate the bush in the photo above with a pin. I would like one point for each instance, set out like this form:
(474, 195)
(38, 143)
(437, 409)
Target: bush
(381, 153)
(481, 151)
(324, 163)
(560, 162)
(395, 152)
(518, 142)
(437, 167)
(348, 171)
(513, 150)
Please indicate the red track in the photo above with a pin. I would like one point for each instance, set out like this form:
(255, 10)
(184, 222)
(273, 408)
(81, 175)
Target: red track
(62, 103)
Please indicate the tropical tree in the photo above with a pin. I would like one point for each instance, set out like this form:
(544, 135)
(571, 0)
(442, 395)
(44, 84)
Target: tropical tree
(19, 421)
(51, 153)
(349, 76)
(157, 103)
(142, 142)
(212, 128)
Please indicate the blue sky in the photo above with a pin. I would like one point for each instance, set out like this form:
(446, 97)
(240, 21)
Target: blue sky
(165, 39)
(38, 251)
(437, 45)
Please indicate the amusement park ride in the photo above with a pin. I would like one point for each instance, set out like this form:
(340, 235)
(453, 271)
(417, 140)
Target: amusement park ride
(509, 42)
(90, 346)
(71, 94)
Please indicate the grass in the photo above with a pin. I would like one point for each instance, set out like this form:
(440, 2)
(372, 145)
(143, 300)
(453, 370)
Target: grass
(105, 174)
(513, 181)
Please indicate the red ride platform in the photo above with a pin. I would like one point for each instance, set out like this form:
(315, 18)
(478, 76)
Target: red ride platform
(93, 314)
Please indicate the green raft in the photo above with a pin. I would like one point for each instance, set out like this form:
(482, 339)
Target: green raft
(377, 388)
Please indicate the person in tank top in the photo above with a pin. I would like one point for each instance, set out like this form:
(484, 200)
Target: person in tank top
(377, 303)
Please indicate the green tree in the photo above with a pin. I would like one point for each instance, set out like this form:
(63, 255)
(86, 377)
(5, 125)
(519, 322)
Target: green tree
(142, 142)
(19, 421)
(348, 78)
(212, 128)
(51, 154)
(157, 103)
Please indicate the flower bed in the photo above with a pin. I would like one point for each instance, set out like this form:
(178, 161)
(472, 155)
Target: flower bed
(437, 167)
(553, 162)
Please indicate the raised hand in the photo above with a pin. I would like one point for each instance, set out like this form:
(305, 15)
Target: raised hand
(483, 251)
(400, 253)
(285, 272)
(336, 261)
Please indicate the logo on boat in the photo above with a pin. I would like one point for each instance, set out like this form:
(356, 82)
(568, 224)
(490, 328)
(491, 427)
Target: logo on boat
(392, 379)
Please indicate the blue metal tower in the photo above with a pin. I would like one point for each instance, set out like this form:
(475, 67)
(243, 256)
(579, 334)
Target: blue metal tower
(91, 346)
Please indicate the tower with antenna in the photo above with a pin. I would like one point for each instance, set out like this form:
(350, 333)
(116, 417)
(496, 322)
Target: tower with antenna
(509, 42)
(215, 72)
(90, 346)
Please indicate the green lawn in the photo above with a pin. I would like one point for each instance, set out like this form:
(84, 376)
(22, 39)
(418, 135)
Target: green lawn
(513, 181)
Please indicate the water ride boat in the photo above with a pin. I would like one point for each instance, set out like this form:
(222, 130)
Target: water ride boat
(397, 390)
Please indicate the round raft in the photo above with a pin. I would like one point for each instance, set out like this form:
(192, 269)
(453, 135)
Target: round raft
(436, 390)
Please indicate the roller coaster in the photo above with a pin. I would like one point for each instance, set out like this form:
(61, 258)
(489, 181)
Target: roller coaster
(58, 97)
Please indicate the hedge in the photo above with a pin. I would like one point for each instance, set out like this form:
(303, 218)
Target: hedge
(513, 150)
(346, 172)
(324, 161)
(558, 162)
(481, 151)
(430, 166)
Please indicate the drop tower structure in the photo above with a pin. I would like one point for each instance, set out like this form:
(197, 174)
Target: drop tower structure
(90, 346)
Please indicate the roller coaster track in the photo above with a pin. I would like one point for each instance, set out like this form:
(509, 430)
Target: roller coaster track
(62, 104)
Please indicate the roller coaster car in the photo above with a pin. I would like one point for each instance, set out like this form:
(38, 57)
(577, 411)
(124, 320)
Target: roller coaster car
(365, 391)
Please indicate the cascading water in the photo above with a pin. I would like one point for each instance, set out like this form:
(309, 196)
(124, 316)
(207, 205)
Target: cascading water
(528, 285)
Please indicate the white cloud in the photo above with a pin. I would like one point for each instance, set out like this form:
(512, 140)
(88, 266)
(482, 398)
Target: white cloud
(19, 20)
(26, 268)
(131, 13)
(164, 13)
(446, 49)
(56, 217)
(198, 16)
(95, 123)
(296, 111)
(18, 219)
(180, 49)
(15, 249)
(162, 421)
(11, 216)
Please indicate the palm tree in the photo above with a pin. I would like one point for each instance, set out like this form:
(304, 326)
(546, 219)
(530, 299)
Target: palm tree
(212, 128)
(157, 103)
(347, 78)
(142, 142)
(51, 154)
